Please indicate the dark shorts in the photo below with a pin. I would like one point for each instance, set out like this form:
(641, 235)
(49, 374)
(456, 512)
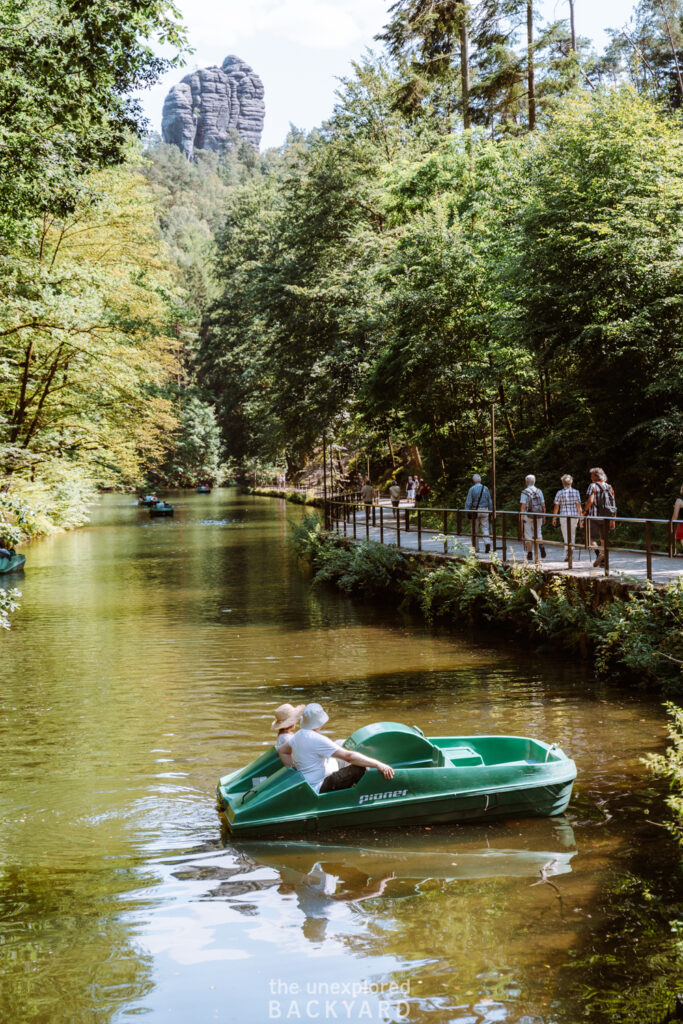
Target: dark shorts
(595, 527)
(346, 777)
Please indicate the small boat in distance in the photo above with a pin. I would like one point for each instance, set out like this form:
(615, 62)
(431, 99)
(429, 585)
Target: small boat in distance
(203, 489)
(12, 564)
(161, 508)
(147, 500)
(438, 780)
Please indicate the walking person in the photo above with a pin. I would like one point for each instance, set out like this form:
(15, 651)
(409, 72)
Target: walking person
(367, 493)
(568, 508)
(478, 506)
(395, 495)
(410, 490)
(532, 510)
(600, 505)
(677, 517)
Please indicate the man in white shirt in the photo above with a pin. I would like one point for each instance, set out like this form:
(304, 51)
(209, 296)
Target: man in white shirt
(316, 756)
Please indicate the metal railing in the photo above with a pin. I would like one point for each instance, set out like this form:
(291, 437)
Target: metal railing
(505, 528)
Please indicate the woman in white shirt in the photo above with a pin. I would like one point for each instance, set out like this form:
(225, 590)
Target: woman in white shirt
(286, 718)
(316, 756)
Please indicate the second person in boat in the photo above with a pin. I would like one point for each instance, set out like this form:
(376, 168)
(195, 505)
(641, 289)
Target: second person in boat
(316, 756)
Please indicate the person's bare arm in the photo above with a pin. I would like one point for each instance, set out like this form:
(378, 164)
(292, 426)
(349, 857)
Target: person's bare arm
(677, 508)
(285, 754)
(353, 757)
(556, 509)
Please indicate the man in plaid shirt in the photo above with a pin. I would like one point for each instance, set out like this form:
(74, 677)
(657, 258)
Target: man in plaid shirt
(567, 504)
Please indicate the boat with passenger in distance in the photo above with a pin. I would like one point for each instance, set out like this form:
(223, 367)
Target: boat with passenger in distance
(436, 780)
(203, 489)
(12, 564)
(162, 508)
(147, 500)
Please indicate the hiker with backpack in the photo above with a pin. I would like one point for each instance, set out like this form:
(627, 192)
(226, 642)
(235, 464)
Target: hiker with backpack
(532, 510)
(600, 505)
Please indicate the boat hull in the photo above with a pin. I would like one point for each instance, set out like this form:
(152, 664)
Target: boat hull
(14, 564)
(441, 781)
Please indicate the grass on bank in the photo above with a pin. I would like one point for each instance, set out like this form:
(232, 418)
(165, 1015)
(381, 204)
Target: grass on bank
(638, 638)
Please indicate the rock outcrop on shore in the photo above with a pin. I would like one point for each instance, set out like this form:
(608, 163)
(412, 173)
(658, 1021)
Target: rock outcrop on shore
(207, 108)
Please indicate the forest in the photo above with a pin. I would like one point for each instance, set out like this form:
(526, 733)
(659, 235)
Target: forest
(491, 214)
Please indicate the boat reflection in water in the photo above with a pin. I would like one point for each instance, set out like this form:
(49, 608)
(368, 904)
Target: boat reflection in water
(323, 876)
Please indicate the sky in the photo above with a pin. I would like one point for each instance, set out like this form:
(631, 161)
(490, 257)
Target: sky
(301, 47)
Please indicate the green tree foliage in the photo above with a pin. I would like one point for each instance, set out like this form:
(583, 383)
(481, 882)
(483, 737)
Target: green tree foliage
(84, 336)
(649, 51)
(66, 68)
(195, 452)
(382, 282)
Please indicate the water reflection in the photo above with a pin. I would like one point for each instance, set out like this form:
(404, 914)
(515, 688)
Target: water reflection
(324, 875)
(145, 663)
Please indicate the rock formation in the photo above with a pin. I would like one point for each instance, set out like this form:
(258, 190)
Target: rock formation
(205, 109)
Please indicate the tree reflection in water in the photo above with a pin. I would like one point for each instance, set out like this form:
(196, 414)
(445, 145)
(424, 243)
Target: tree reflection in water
(67, 951)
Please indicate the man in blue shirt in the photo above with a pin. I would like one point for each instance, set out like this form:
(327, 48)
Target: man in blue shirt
(478, 507)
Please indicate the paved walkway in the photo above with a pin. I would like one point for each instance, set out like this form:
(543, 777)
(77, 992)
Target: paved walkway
(624, 565)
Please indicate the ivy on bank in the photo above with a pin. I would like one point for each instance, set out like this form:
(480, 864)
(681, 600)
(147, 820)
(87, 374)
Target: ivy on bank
(639, 638)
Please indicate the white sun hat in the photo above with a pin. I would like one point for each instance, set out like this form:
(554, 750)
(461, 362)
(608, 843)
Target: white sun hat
(313, 717)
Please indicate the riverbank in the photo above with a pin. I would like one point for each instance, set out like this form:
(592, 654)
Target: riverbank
(629, 634)
(296, 497)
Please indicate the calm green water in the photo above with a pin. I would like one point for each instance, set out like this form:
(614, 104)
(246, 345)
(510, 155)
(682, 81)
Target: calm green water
(145, 662)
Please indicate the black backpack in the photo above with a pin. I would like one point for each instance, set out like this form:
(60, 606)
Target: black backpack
(605, 502)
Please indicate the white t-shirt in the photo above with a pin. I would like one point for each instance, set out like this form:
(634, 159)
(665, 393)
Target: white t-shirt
(312, 755)
(283, 737)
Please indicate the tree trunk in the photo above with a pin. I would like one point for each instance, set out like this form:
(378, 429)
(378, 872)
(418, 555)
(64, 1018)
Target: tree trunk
(391, 451)
(18, 416)
(465, 66)
(530, 63)
(572, 24)
(439, 452)
(673, 50)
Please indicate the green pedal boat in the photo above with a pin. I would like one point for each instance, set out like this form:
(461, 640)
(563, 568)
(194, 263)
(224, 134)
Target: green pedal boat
(436, 780)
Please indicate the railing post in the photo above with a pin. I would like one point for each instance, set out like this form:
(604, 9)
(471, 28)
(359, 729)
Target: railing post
(648, 548)
(534, 514)
(493, 530)
(458, 522)
(605, 544)
(570, 546)
(407, 520)
(353, 513)
(671, 543)
(419, 530)
(505, 539)
(398, 528)
(381, 524)
(445, 532)
(374, 516)
(344, 516)
(367, 523)
(474, 530)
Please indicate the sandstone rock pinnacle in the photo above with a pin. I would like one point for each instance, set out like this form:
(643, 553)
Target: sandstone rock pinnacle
(208, 106)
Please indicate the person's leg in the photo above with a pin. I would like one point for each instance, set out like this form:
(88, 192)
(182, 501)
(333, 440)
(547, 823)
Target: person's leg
(346, 777)
(528, 535)
(563, 527)
(595, 538)
(483, 525)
